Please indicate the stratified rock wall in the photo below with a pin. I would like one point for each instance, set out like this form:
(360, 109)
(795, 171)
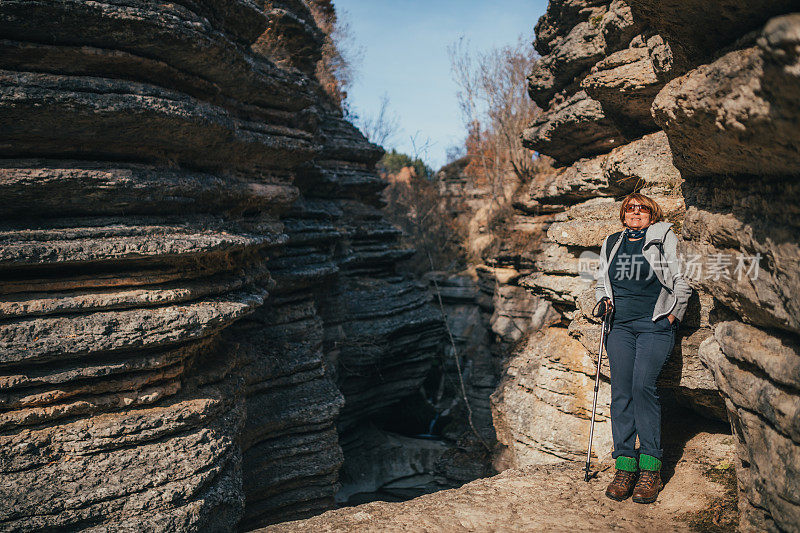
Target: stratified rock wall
(146, 157)
(380, 332)
(489, 296)
(189, 236)
(731, 124)
(696, 105)
(595, 84)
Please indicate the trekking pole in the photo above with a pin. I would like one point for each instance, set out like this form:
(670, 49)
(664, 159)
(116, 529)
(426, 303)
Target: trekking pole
(603, 331)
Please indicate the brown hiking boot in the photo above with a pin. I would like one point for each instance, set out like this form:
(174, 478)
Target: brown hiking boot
(648, 486)
(622, 485)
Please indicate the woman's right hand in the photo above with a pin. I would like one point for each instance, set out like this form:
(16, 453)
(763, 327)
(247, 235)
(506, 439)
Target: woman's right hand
(604, 307)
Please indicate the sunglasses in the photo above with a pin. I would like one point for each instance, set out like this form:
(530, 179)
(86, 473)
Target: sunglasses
(630, 208)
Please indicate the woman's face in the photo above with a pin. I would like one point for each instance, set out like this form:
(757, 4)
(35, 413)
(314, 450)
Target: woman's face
(637, 215)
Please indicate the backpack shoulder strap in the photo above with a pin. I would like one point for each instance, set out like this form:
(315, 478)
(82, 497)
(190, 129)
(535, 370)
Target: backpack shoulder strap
(612, 241)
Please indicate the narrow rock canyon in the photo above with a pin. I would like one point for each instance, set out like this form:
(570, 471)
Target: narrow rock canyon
(205, 324)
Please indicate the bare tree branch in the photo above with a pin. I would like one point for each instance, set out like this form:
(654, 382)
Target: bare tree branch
(494, 104)
(382, 128)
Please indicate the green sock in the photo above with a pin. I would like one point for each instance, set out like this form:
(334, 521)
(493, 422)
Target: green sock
(648, 462)
(626, 463)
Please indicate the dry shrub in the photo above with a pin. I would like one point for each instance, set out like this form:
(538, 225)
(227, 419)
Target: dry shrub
(414, 205)
(496, 109)
(336, 70)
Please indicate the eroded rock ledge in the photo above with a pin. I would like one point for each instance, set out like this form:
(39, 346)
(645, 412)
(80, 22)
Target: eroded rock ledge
(696, 107)
(197, 285)
(553, 498)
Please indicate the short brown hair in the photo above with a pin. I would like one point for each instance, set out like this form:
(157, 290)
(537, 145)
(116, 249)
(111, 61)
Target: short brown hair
(656, 214)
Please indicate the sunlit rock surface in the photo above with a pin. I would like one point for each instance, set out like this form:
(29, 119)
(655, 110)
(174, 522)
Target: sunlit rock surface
(720, 82)
(741, 196)
(554, 497)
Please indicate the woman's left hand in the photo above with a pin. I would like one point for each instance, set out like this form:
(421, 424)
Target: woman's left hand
(671, 318)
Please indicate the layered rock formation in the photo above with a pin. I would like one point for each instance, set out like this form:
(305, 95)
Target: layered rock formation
(595, 84)
(728, 122)
(695, 106)
(195, 277)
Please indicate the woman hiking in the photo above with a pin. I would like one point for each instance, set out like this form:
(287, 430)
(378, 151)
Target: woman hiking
(644, 295)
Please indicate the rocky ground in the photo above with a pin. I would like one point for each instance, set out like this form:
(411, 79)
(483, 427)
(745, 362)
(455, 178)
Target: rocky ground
(699, 495)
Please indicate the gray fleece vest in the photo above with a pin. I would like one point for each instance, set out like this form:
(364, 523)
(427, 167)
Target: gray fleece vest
(660, 251)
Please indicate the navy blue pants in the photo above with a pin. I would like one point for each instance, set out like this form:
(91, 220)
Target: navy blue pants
(637, 349)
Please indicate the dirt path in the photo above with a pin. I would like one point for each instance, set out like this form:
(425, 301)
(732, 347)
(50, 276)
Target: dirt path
(555, 498)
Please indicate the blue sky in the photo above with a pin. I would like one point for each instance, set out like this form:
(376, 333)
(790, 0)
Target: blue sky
(404, 44)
